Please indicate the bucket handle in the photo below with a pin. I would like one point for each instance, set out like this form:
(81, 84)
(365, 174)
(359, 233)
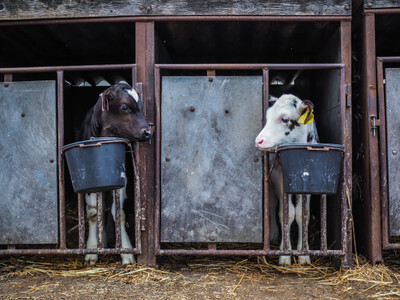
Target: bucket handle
(318, 149)
(89, 145)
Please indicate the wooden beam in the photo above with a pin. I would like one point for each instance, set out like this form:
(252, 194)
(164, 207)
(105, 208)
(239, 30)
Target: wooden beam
(52, 9)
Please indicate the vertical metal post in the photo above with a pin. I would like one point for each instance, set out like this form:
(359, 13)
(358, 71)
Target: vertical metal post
(117, 223)
(99, 200)
(60, 142)
(371, 188)
(145, 51)
(323, 238)
(266, 165)
(304, 207)
(285, 231)
(81, 220)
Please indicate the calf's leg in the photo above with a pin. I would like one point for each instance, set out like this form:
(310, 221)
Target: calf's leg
(91, 211)
(126, 258)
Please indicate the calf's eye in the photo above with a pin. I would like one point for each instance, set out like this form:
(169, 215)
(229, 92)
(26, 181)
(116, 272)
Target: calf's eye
(284, 119)
(124, 108)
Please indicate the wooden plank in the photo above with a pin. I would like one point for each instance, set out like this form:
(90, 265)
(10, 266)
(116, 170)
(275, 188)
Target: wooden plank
(38, 9)
(372, 4)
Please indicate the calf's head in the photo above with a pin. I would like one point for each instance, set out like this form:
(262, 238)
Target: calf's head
(282, 123)
(122, 115)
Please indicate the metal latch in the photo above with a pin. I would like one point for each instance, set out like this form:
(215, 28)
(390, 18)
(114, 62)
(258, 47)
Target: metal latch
(347, 90)
(374, 123)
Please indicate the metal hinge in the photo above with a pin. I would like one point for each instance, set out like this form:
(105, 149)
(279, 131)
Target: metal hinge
(347, 90)
(374, 123)
(143, 219)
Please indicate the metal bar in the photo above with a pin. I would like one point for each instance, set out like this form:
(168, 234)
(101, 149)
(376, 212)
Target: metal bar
(138, 211)
(266, 166)
(65, 68)
(383, 151)
(385, 11)
(177, 18)
(66, 251)
(117, 220)
(60, 143)
(250, 252)
(7, 77)
(99, 200)
(309, 66)
(285, 230)
(81, 220)
(304, 207)
(157, 229)
(388, 59)
(323, 238)
(212, 246)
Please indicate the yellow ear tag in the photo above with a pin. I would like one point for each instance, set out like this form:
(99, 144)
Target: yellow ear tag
(304, 119)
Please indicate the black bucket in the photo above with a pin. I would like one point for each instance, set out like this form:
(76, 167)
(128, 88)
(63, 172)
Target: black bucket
(311, 168)
(97, 165)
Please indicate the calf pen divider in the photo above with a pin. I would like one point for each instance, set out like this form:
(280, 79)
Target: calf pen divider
(345, 211)
(62, 247)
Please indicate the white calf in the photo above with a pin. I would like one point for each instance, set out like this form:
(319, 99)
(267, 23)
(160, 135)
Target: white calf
(283, 127)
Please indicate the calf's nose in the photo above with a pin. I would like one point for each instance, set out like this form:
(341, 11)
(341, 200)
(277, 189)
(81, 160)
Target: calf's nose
(147, 133)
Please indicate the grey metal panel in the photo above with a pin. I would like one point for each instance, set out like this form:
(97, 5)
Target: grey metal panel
(393, 147)
(381, 4)
(28, 180)
(211, 181)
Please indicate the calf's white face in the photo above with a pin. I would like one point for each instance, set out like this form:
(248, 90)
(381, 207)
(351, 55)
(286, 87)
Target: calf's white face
(282, 126)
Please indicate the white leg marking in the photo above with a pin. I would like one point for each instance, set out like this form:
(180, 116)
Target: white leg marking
(126, 243)
(91, 210)
(286, 259)
(303, 259)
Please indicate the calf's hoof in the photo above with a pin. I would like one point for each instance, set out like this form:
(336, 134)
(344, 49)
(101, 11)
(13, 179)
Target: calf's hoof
(284, 260)
(127, 259)
(304, 259)
(91, 259)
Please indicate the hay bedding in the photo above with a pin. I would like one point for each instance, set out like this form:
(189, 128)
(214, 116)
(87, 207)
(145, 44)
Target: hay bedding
(203, 278)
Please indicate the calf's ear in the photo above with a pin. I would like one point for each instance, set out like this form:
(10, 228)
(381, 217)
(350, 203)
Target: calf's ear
(304, 105)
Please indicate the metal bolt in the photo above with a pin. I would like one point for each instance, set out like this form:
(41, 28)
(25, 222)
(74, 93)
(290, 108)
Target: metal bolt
(394, 152)
(256, 159)
(23, 115)
(6, 84)
(369, 4)
(148, 8)
(210, 79)
(227, 111)
(347, 7)
(167, 159)
(212, 239)
(141, 7)
(192, 109)
(51, 160)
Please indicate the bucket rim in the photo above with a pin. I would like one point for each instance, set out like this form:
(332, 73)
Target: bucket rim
(95, 140)
(317, 146)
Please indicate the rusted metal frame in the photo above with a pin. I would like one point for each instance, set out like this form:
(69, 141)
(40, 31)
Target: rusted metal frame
(371, 184)
(292, 66)
(323, 222)
(346, 113)
(65, 251)
(265, 251)
(266, 155)
(250, 252)
(145, 58)
(81, 220)
(176, 18)
(66, 68)
(386, 245)
(343, 193)
(61, 166)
